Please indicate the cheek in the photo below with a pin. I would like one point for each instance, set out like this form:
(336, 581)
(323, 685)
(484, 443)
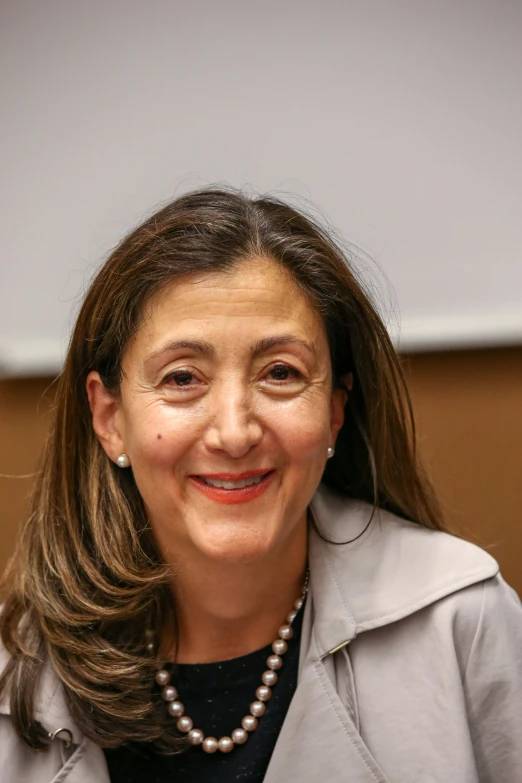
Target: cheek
(303, 431)
(160, 435)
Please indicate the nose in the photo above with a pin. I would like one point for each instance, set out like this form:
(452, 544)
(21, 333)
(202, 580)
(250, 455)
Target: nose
(234, 427)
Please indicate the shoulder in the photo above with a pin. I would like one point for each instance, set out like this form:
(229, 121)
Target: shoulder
(5, 659)
(484, 623)
(490, 615)
(487, 630)
(50, 705)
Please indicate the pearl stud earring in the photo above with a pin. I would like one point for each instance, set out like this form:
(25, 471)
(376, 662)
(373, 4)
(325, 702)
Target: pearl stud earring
(330, 452)
(123, 461)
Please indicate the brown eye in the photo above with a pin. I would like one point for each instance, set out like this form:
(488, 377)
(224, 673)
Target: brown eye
(284, 373)
(180, 378)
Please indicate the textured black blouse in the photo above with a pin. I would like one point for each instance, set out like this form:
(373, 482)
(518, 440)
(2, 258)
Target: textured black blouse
(217, 696)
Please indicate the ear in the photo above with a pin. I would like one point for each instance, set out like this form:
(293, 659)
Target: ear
(337, 404)
(106, 418)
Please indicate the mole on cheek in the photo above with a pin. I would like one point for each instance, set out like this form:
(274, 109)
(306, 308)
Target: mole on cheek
(159, 435)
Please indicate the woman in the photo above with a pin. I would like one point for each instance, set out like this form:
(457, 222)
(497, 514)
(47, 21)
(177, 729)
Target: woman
(234, 567)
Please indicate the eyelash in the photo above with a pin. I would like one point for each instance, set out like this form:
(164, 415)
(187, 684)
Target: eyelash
(282, 366)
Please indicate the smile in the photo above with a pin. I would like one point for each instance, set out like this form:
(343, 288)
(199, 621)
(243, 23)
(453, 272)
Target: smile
(232, 484)
(227, 488)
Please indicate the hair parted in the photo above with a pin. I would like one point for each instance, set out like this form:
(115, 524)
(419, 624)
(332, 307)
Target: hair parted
(86, 579)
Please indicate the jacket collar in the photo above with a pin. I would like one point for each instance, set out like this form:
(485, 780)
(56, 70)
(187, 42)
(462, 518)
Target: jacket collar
(392, 569)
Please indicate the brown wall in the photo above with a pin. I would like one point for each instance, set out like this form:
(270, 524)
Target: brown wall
(468, 406)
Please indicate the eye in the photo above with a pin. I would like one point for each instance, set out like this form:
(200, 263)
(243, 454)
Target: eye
(283, 372)
(180, 378)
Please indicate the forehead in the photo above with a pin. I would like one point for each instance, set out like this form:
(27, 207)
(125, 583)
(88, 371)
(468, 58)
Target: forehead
(254, 297)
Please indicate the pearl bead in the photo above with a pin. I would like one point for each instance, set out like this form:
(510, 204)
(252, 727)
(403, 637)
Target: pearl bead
(286, 632)
(123, 461)
(274, 662)
(239, 736)
(210, 744)
(163, 677)
(263, 693)
(169, 693)
(225, 744)
(269, 677)
(184, 724)
(257, 708)
(279, 646)
(249, 722)
(176, 709)
(196, 737)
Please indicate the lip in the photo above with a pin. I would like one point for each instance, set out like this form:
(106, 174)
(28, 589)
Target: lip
(233, 476)
(232, 496)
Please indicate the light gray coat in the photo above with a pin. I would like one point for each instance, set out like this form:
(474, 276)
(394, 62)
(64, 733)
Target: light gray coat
(410, 668)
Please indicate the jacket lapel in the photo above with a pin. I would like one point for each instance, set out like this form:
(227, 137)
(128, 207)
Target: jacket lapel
(319, 740)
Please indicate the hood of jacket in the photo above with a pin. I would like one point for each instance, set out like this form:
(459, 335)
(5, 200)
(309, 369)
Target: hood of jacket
(380, 568)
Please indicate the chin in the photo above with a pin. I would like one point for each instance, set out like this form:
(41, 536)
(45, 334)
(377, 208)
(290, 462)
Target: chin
(233, 547)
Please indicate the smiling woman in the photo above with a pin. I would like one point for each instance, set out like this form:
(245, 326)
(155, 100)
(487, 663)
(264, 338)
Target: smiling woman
(233, 370)
(229, 497)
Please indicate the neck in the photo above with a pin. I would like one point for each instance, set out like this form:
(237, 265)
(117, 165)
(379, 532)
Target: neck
(227, 610)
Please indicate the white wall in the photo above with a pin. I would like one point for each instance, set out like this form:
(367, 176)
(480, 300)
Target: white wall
(401, 120)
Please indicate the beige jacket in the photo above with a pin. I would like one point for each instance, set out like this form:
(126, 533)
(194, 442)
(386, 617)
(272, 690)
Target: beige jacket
(410, 668)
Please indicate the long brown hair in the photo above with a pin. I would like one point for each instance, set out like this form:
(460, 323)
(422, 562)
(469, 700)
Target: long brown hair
(86, 579)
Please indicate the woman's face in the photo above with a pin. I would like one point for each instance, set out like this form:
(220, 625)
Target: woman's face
(226, 412)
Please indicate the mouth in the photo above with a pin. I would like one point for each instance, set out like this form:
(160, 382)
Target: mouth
(233, 488)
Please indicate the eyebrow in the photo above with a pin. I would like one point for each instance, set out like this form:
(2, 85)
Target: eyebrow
(204, 348)
(267, 343)
(198, 346)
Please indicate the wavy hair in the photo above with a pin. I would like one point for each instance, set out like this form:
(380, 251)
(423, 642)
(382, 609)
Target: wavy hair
(86, 579)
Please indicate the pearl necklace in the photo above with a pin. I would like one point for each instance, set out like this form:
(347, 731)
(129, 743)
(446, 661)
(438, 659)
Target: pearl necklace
(250, 722)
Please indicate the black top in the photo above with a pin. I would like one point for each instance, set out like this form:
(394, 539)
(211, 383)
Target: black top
(217, 696)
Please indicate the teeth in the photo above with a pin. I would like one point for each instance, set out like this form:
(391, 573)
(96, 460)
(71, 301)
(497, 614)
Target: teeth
(232, 484)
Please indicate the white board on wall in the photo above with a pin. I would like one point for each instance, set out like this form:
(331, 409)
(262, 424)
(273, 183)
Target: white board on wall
(400, 120)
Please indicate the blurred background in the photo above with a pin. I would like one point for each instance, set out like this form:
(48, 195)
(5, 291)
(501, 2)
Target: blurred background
(397, 122)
